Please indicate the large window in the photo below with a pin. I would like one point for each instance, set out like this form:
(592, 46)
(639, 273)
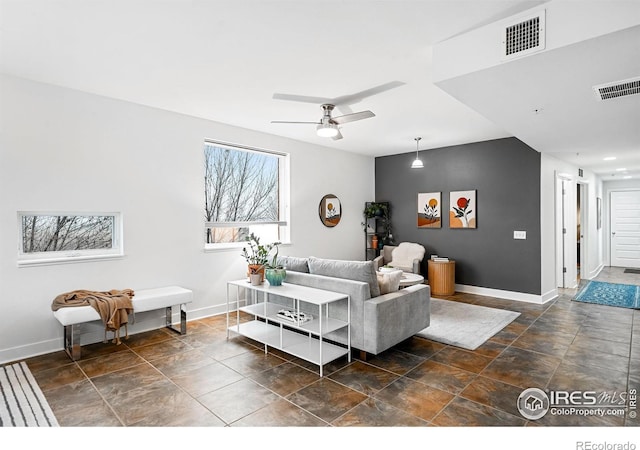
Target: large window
(63, 237)
(246, 191)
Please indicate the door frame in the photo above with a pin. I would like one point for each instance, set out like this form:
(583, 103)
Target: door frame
(562, 183)
(583, 185)
(606, 221)
(566, 227)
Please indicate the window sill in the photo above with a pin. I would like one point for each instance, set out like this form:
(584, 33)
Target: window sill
(232, 246)
(66, 260)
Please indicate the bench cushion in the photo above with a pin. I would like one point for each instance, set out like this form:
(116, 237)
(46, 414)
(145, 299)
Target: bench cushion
(143, 300)
(150, 299)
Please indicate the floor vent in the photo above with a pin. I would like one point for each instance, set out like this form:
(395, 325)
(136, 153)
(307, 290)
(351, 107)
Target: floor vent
(617, 89)
(524, 37)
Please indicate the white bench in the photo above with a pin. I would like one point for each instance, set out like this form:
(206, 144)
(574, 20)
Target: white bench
(143, 300)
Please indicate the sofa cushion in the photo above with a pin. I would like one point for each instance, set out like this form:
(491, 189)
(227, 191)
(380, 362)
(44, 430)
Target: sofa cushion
(293, 263)
(389, 281)
(351, 270)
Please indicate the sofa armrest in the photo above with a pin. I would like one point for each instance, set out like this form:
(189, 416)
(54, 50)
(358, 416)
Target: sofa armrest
(416, 265)
(391, 318)
(378, 262)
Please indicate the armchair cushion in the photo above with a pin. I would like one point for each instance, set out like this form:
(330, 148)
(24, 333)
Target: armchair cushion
(404, 255)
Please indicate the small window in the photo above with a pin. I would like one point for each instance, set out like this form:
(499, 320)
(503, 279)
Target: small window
(47, 238)
(246, 191)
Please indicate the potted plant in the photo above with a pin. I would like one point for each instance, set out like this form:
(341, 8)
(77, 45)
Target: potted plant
(257, 255)
(275, 273)
(379, 211)
(374, 209)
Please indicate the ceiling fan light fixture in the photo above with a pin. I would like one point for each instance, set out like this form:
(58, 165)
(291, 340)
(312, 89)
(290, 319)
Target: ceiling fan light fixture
(327, 130)
(417, 163)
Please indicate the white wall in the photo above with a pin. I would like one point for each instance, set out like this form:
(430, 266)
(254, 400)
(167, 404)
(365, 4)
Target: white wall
(608, 187)
(480, 48)
(63, 150)
(549, 216)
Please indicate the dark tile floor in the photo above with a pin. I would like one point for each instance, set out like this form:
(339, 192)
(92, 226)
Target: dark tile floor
(202, 379)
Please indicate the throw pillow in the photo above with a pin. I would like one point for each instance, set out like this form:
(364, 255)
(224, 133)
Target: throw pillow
(364, 271)
(389, 281)
(293, 263)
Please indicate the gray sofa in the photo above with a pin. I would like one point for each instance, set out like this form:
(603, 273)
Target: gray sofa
(378, 322)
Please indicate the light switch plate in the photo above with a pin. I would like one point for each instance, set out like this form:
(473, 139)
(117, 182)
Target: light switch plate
(519, 234)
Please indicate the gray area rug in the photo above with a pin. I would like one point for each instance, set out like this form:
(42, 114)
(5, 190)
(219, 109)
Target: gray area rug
(463, 325)
(22, 403)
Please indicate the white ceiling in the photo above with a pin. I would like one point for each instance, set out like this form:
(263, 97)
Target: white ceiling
(224, 60)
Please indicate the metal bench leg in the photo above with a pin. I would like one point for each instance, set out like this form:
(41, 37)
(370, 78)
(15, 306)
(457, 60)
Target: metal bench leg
(72, 341)
(183, 319)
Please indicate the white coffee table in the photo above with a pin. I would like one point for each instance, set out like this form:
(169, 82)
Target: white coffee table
(305, 340)
(409, 279)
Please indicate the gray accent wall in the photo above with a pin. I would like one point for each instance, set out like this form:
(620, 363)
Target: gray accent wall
(506, 176)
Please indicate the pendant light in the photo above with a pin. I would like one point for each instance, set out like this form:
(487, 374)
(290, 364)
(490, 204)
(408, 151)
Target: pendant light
(417, 164)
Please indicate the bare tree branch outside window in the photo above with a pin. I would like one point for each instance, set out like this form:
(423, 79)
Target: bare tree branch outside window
(240, 186)
(48, 233)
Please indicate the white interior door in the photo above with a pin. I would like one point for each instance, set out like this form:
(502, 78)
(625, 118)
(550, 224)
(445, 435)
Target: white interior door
(625, 229)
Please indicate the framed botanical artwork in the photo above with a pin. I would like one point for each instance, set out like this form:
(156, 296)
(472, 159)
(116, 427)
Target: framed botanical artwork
(462, 209)
(429, 210)
(329, 210)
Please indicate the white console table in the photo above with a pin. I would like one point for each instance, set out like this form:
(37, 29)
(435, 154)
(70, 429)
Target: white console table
(304, 340)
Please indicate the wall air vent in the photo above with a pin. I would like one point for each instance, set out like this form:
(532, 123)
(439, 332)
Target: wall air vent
(524, 37)
(617, 89)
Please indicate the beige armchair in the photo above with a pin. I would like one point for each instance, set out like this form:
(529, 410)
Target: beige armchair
(406, 256)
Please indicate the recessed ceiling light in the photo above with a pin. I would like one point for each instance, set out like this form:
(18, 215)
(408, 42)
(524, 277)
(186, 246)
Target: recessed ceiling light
(609, 158)
(621, 169)
(626, 177)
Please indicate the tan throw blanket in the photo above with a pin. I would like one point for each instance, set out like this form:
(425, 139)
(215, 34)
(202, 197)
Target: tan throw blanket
(114, 307)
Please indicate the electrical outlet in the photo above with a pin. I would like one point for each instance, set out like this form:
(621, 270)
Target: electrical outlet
(519, 234)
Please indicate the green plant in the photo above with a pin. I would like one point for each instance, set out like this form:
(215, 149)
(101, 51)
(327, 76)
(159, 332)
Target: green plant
(374, 209)
(274, 261)
(257, 253)
(380, 211)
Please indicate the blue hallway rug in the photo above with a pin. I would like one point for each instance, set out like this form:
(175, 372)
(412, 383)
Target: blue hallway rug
(609, 294)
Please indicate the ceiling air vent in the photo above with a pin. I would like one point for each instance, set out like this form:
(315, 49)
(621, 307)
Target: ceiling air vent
(617, 89)
(524, 37)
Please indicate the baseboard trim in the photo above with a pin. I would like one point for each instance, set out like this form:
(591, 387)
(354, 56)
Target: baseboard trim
(94, 331)
(596, 272)
(508, 295)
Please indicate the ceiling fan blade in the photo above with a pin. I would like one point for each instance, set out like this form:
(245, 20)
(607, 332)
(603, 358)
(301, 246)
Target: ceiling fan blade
(286, 121)
(354, 98)
(353, 117)
(342, 100)
(301, 98)
(337, 136)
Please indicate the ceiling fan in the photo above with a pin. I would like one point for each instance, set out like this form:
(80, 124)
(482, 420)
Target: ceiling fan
(328, 125)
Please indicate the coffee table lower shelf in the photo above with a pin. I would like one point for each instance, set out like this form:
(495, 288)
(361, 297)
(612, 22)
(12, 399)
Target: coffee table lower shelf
(306, 347)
